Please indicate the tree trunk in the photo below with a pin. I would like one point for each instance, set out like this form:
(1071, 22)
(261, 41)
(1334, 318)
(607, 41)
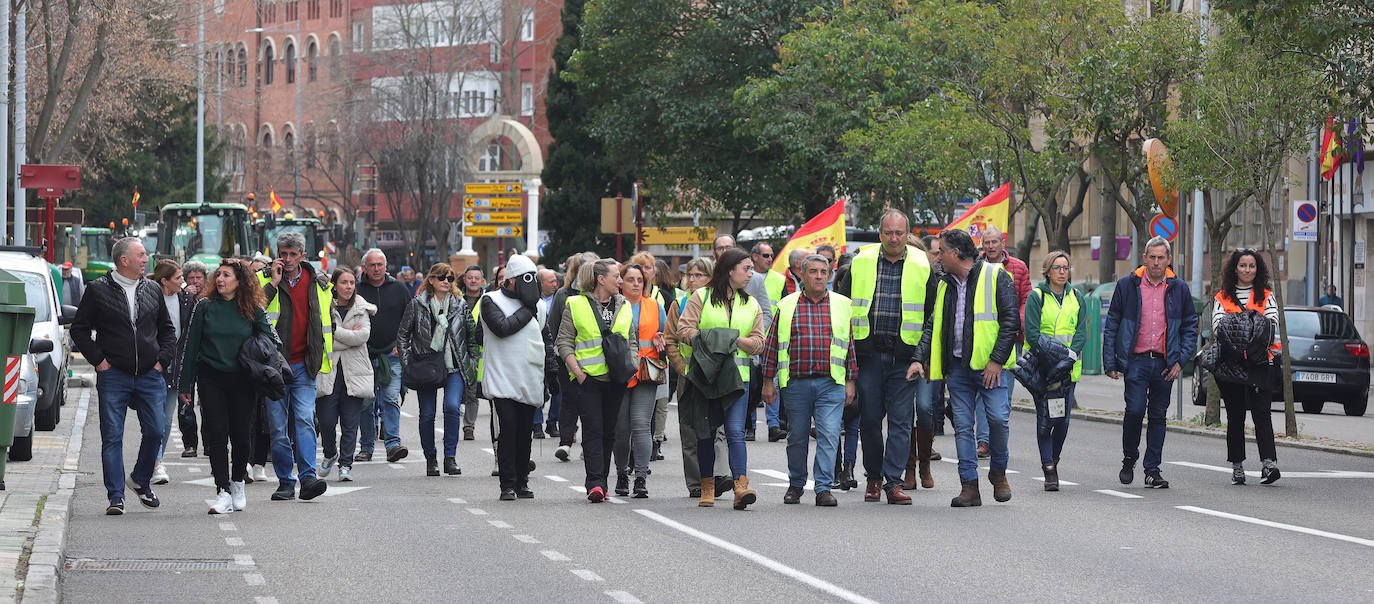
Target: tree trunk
(1023, 248)
(1106, 260)
(1290, 418)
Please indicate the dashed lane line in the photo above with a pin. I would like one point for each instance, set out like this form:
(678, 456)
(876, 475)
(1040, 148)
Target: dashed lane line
(624, 597)
(1279, 525)
(501, 524)
(1118, 494)
(586, 574)
(254, 579)
(555, 555)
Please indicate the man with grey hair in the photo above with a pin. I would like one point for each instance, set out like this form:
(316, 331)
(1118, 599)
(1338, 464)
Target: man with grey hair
(995, 251)
(720, 245)
(1150, 307)
(390, 297)
(194, 272)
(124, 329)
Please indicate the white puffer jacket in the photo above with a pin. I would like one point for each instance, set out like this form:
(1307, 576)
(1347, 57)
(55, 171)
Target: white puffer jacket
(350, 351)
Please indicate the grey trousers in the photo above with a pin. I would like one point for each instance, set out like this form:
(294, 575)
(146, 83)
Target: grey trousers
(633, 430)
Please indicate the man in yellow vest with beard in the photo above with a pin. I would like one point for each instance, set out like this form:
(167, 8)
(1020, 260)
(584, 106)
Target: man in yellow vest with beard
(968, 341)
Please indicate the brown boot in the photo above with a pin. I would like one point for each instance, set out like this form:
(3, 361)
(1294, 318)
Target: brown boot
(968, 496)
(909, 479)
(1001, 490)
(874, 492)
(708, 493)
(743, 494)
(924, 439)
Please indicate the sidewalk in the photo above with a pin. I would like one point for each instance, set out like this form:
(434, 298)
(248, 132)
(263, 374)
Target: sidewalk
(33, 508)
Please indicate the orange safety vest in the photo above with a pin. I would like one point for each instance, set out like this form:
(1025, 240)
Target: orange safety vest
(648, 328)
(1256, 303)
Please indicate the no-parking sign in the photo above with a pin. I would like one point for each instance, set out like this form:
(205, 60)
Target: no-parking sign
(1304, 221)
(1164, 226)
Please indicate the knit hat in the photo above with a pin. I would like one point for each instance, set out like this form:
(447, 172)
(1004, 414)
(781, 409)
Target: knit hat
(519, 265)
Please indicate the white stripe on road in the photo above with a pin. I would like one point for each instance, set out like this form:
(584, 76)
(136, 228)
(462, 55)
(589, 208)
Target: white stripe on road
(396, 466)
(616, 500)
(624, 597)
(254, 579)
(1118, 494)
(586, 575)
(1325, 474)
(406, 415)
(760, 559)
(555, 478)
(457, 500)
(488, 451)
(477, 511)
(525, 539)
(233, 541)
(1063, 482)
(243, 560)
(810, 484)
(227, 526)
(555, 556)
(501, 524)
(577, 489)
(264, 600)
(1279, 525)
(194, 470)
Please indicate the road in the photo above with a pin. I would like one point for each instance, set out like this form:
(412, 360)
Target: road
(397, 535)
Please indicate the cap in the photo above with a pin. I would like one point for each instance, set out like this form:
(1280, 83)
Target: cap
(66, 265)
(519, 265)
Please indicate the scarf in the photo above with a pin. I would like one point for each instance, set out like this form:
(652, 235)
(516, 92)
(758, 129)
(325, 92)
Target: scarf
(438, 341)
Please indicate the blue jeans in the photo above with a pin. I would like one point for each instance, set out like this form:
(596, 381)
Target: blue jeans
(851, 438)
(1051, 431)
(388, 399)
(884, 391)
(292, 423)
(1147, 393)
(924, 391)
(820, 398)
(453, 418)
(554, 401)
(116, 393)
(169, 414)
(734, 441)
(965, 393)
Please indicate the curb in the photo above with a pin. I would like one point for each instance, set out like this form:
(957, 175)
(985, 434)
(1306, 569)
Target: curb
(40, 583)
(1108, 417)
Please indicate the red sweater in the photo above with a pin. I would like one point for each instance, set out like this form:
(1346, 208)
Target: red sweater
(300, 315)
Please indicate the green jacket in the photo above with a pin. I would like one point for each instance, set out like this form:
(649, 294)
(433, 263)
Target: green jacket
(713, 380)
(1034, 305)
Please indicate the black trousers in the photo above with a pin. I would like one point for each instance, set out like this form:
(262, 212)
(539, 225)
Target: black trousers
(1240, 398)
(599, 407)
(568, 409)
(226, 408)
(513, 453)
(186, 421)
(259, 435)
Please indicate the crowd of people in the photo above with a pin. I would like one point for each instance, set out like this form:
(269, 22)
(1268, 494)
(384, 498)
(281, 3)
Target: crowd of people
(868, 350)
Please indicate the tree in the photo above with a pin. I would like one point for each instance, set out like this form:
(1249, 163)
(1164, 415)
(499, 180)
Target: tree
(1239, 124)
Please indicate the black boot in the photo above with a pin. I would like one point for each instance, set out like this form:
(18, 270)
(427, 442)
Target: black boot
(285, 490)
(641, 489)
(431, 466)
(850, 481)
(842, 477)
(657, 455)
(451, 466)
(622, 484)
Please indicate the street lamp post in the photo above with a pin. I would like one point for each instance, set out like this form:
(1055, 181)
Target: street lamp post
(296, 133)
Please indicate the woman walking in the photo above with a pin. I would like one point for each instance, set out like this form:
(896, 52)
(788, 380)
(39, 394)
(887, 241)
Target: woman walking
(1057, 310)
(579, 345)
(437, 320)
(179, 305)
(513, 352)
(342, 391)
(1245, 286)
(230, 311)
(724, 304)
(697, 275)
(633, 434)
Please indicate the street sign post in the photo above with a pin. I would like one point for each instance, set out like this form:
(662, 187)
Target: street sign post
(495, 230)
(1304, 221)
(493, 203)
(677, 236)
(1164, 226)
(493, 216)
(492, 189)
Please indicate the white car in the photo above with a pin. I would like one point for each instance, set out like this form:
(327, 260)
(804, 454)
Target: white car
(50, 323)
(25, 402)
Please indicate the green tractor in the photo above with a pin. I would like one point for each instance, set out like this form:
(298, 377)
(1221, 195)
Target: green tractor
(208, 233)
(88, 249)
(316, 235)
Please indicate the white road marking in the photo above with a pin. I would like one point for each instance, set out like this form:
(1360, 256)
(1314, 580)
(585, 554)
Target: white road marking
(208, 481)
(1279, 525)
(233, 541)
(623, 597)
(555, 478)
(477, 511)
(948, 460)
(577, 488)
(336, 491)
(227, 526)
(488, 451)
(243, 560)
(1324, 474)
(586, 575)
(616, 500)
(195, 470)
(525, 539)
(254, 579)
(501, 524)
(396, 466)
(555, 556)
(457, 500)
(1118, 494)
(1063, 482)
(760, 559)
(264, 600)
(404, 414)
(810, 484)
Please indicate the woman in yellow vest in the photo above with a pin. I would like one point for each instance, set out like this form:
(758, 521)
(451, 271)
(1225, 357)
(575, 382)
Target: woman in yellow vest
(633, 427)
(723, 303)
(579, 345)
(1245, 286)
(697, 274)
(1057, 310)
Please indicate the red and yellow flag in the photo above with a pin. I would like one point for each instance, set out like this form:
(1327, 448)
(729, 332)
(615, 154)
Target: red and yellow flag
(276, 201)
(826, 227)
(1331, 156)
(135, 202)
(992, 211)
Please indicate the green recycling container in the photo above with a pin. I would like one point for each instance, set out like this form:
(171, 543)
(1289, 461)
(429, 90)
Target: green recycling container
(16, 326)
(1098, 302)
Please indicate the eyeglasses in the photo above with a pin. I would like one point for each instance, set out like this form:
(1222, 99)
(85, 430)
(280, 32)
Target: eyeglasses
(691, 275)
(1245, 250)
(766, 255)
(1061, 267)
(449, 278)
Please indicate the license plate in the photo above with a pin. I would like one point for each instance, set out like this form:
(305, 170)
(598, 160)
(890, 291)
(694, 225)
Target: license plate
(1313, 376)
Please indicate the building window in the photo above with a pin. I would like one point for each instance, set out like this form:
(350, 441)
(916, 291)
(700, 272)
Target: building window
(359, 32)
(495, 51)
(268, 59)
(491, 158)
(290, 62)
(527, 98)
(310, 53)
(288, 141)
(335, 9)
(265, 152)
(243, 67)
(312, 9)
(335, 57)
(527, 25)
(293, 9)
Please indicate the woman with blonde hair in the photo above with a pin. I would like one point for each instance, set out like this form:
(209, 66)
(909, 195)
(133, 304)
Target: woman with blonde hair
(437, 321)
(1055, 309)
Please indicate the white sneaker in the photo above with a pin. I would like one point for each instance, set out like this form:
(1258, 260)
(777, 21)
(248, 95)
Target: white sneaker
(327, 466)
(160, 474)
(224, 504)
(239, 498)
(260, 473)
(345, 474)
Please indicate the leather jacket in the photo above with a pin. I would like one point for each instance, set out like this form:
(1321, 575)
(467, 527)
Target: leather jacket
(417, 329)
(133, 347)
(1008, 318)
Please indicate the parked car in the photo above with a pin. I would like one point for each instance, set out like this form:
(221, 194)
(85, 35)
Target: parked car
(50, 321)
(1330, 361)
(26, 402)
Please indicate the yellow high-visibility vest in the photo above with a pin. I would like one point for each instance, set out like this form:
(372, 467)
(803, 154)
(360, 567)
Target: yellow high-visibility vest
(863, 279)
(985, 324)
(840, 312)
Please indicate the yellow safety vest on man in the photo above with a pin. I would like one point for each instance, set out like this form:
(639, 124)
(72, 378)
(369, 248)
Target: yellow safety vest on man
(985, 325)
(326, 302)
(840, 313)
(863, 279)
(587, 343)
(775, 284)
(1060, 322)
(740, 318)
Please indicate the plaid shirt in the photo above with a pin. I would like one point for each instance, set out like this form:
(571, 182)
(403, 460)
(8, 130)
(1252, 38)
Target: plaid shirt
(886, 316)
(808, 348)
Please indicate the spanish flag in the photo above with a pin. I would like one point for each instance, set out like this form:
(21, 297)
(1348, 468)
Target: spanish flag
(135, 202)
(276, 201)
(992, 211)
(826, 227)
(1330, 156)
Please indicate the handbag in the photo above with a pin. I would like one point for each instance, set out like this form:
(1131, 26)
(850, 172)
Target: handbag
(616, 349)
(424, 371)
(652, 371)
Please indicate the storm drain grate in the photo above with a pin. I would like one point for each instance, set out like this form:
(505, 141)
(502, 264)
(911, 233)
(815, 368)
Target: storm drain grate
(151, 564)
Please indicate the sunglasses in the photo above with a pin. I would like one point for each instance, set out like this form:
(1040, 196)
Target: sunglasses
(449, 278)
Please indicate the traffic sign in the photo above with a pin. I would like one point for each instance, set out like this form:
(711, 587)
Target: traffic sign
(330, 247)
(502, 203)
(494, 230)
(512, 188)
(1164, 226)
(678, 236)
(1304, 221)
(493, 216)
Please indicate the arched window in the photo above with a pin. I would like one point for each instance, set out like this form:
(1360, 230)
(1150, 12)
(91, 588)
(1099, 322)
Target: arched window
(288, 140)
(243, 67)
(268, 62)
(310, 52)
(335, 57)
(290, 58)
(265, 151)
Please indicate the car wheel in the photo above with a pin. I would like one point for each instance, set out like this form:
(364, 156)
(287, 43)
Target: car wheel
(46, 419)
(22, 449)
(1200, 388)
(1356, 409)
(1313, 407)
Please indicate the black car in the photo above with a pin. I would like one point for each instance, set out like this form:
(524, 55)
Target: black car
(1330, 361)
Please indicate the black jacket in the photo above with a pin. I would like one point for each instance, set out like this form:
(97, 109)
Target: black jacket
(1008, 318)
(417, 329)
(263, 363)
(132, 347)
(390, 299)
(187, 304)
(1242, 348)
(1045, 369)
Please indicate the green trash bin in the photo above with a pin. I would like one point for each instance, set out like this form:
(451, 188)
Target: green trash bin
(16, 326)
(1098, 302)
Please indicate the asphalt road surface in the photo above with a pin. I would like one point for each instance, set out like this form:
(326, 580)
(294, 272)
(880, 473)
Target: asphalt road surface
(396, 535)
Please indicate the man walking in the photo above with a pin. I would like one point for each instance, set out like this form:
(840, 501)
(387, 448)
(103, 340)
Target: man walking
(811, 354)
(762, 255)
(474, 284)
(134, 340)
(298, 305)
(1150, 307)
(390, 297)
(968, 341)
(995, 252)
(887, 283)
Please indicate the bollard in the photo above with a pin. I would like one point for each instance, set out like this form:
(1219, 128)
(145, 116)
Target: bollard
(16, 326)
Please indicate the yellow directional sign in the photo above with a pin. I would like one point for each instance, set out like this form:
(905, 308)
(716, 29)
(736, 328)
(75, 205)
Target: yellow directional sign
(678, 236)
(494, 230)
(493, 216)
(494, 203)
(512, 188)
